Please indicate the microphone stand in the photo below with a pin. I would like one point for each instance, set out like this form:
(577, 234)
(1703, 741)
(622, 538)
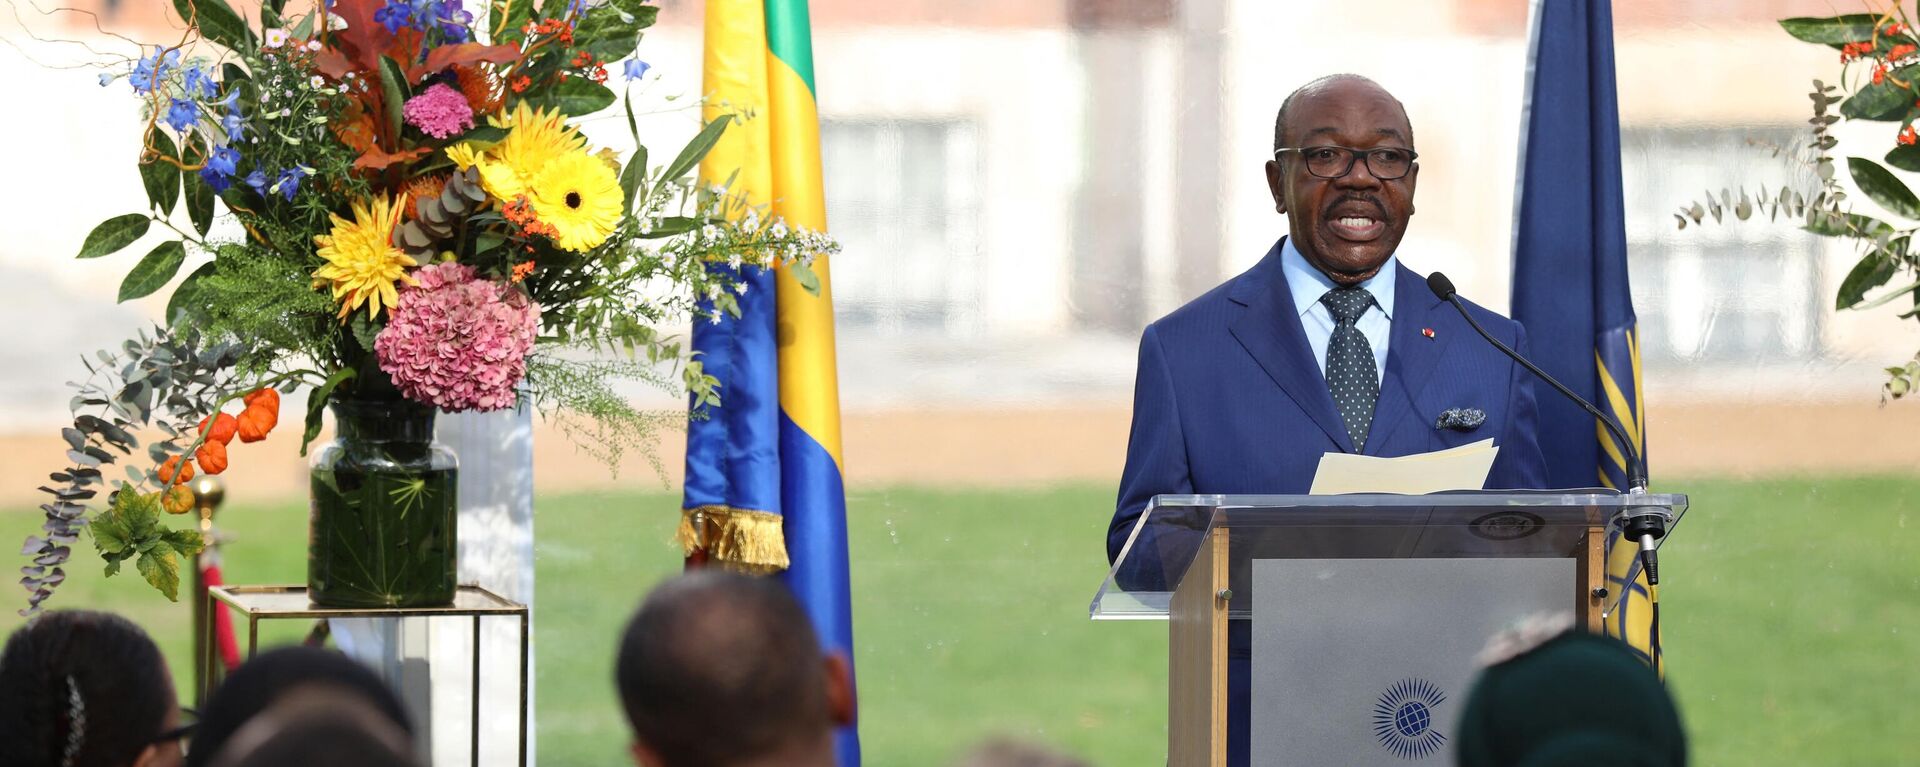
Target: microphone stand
(1642, 524)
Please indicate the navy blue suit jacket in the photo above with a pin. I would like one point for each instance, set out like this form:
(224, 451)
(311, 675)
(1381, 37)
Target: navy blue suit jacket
(1228, 397)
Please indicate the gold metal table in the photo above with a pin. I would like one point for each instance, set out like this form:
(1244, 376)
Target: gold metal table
(290, 602)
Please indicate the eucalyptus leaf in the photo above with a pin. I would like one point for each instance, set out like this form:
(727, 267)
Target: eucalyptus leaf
(115, 233)
(154, 271)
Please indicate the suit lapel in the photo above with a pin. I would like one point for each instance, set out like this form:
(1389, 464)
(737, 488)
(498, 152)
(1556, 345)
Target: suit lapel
(1270, 330)
(1411, 357)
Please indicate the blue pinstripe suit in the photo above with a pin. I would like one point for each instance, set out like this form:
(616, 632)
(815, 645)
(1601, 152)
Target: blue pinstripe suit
(1228, 399)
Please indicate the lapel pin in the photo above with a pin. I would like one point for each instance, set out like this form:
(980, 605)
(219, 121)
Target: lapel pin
(1428, 332)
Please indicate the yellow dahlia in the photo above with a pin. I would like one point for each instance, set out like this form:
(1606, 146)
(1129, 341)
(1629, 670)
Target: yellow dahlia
(580, 197)
(362, 262)
(535, 139)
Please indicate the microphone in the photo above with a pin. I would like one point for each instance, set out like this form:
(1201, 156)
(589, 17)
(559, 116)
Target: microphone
(1644, 525)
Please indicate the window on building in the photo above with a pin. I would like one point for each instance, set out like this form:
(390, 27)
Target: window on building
(902, 200)
(1728, 293)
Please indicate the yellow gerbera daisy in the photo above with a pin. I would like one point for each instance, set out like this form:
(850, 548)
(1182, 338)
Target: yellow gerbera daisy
(362, 262)
(535, 139)
(580, 197)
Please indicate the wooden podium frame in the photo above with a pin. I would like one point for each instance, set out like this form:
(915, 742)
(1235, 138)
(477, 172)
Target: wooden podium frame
(1197, 642)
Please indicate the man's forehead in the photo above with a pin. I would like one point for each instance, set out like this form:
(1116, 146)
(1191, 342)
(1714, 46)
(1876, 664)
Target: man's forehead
(1346, 106)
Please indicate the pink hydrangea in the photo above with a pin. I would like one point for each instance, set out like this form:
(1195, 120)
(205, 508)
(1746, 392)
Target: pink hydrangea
(458, 342)
(441, 111)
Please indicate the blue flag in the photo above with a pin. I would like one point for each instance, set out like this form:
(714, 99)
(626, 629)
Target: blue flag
(1570, 245)
(1570, 274)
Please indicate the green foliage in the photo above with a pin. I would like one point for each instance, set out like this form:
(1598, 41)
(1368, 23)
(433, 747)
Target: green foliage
(583, 395)
(1834, 31)
(1886, 249)
(113, 234)
(217, 22)
(161, 178)
(155, 270)
(248, 295)
(130, 528)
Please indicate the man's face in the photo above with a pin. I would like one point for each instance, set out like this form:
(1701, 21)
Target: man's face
(1346, 227)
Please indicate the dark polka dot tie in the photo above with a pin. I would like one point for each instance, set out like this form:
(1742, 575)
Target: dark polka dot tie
(1351, 372)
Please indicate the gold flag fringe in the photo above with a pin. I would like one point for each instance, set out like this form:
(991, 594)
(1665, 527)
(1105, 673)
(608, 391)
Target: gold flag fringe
(737, 539)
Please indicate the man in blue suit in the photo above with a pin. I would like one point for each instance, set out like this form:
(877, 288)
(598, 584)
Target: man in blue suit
(1329, 344)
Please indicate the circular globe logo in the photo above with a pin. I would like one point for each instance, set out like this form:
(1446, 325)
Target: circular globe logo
(1507, 525)
(1403, 719)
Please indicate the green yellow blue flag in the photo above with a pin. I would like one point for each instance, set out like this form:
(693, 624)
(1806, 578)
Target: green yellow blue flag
(764, 472)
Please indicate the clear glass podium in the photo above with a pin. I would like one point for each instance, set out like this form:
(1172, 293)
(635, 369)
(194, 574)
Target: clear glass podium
(1319, 589)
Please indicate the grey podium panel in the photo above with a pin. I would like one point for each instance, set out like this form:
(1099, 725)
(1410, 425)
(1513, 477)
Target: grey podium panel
(1367, 661)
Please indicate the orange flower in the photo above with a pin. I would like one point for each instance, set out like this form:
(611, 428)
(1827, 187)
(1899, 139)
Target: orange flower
(177, 500)
(481, 88)
(261, 415)
(521, 270)
(1895, 29)
(424, 188)
(223, 427)
(166, 470)
(520, 83)
(1901, 51)
(1908, 137)
(1879, 73)
(212, 457)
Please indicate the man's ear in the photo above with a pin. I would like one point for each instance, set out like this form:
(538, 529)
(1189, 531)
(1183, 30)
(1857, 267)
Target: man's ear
(841, 703)
(1276, 178)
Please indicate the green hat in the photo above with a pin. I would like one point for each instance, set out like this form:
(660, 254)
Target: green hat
(1576, 700)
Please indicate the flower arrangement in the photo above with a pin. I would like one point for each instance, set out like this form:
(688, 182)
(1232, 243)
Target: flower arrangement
(1879, 54)
(413, 218)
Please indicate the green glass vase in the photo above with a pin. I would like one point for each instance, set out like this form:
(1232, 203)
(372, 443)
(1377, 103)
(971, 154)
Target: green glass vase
(384, 511)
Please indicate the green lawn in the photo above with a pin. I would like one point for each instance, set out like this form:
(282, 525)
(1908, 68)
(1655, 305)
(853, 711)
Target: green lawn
(1792, 611)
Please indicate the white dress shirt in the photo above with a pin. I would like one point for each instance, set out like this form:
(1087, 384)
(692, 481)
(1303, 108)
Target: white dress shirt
(1309, 284)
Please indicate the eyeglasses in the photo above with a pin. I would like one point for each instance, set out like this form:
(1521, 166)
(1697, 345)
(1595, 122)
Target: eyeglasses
(1385, 163)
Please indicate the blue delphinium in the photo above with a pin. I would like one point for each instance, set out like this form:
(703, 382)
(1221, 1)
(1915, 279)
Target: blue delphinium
(289, 182)
(258, 180)
(220, 167)
(395, 15)
(636, 69)
(452, 19)
(181, 115)
(151, 71)
(200, 83)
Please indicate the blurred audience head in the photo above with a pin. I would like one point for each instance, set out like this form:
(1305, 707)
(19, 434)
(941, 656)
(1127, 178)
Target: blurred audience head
(86, 689)
(722, 670)
(1572, 700)
(1013, 753)
(287, 676)
(317, 724)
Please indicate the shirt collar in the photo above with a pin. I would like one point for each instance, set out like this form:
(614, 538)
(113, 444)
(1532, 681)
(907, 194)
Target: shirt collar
(1309, 284)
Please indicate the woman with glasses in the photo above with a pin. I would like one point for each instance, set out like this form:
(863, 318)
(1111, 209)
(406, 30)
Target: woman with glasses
(86, 689)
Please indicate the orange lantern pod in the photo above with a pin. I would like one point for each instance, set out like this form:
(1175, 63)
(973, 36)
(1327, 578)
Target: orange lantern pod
(212, 457)
(166, 470)
(223, 428)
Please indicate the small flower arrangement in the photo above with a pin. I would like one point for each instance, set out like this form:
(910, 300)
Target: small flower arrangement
(412, 216)
(1879, 55)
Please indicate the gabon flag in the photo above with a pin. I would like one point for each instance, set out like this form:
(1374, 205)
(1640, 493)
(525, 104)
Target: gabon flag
(764, 488)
